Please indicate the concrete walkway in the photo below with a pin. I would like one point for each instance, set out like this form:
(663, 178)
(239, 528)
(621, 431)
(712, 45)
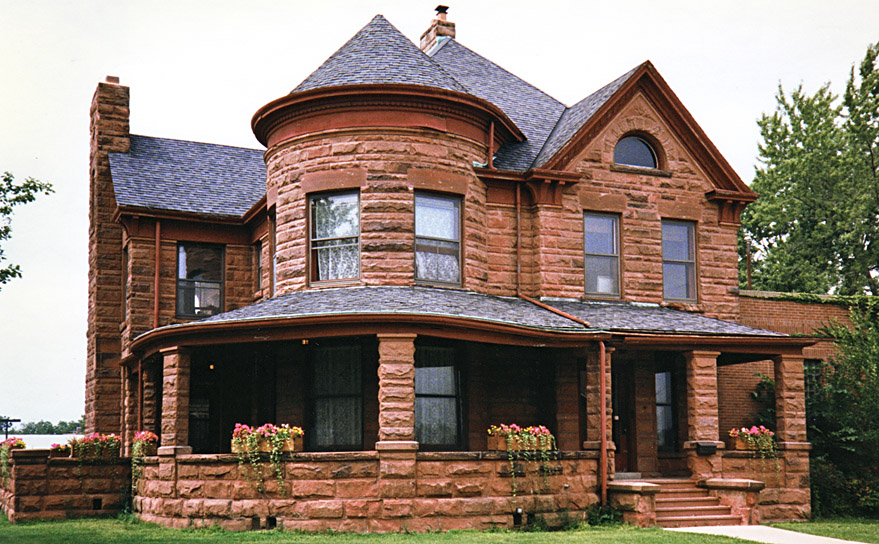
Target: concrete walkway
(762, 533)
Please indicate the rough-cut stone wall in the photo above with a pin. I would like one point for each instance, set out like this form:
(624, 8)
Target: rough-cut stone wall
(643, 199)
(786, 496)
(109, 132)
(41, 487)
(342, 492)
(385, 166)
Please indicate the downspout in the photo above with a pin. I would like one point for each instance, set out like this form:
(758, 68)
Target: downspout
(140, 394)
(490, 161)
(156, 276)
(602, 421)
(518, 241)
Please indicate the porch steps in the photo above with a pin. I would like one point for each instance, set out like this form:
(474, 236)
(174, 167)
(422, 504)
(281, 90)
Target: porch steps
(680, 503)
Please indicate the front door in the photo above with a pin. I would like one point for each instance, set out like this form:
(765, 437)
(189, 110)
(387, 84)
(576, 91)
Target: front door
(623, 395)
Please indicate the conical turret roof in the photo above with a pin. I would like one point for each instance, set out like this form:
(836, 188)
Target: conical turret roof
(380, 54)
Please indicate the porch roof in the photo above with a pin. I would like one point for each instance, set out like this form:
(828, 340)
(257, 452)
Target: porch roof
(620, 317)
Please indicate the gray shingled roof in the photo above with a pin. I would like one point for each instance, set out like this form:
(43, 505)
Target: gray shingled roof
(193, 177)
(642, 317)
(379, 54)
(576, 116)
(533, 111)
(619, 317)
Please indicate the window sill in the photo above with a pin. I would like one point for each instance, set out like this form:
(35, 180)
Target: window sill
(335, 283)
(640, 170)
(684, 305)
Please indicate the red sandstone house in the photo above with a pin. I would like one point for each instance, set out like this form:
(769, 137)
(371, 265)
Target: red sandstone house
(428, 245)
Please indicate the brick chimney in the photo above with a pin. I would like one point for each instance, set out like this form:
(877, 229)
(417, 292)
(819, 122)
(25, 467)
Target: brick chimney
(109, 128)
(439, 28)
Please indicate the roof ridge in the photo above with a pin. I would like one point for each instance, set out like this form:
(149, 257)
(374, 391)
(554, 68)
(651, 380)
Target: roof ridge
(197, 142)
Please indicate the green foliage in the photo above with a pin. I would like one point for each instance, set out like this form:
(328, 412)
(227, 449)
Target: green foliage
(599, 516)
(815, 227)
(764, 395)
(13, 194)
(47, 427)
(842, 415)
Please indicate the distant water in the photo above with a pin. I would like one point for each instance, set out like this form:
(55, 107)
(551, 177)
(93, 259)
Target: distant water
(42, 441)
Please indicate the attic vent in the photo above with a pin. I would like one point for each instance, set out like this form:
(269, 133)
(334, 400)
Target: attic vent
(439, 28)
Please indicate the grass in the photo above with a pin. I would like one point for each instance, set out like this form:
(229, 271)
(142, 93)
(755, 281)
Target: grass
(126, 530)
(857, 529)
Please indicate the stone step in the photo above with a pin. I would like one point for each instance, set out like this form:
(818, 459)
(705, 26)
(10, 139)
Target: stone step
(674, 502)
(697, 521)
(672, 483)
(694, 511)
(676, 494)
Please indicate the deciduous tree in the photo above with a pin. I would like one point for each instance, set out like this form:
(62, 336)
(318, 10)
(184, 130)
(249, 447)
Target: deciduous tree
(815, 227)
(13, 194)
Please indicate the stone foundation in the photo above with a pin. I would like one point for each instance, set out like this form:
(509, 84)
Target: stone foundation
(350, 492)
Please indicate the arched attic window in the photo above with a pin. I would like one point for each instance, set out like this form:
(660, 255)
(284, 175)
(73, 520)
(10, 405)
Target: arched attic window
(635, 151)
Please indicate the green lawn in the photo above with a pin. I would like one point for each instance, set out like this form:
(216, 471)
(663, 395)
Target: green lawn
(120, 531)
(857, 529)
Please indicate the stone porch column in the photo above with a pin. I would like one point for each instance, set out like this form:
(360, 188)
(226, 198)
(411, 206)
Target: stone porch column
(593, 405)
(175, 397)
(790, 399)
(703, 427)
(396, 444)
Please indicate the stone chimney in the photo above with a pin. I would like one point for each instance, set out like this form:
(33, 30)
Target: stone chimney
(439, 28)
(109, 128)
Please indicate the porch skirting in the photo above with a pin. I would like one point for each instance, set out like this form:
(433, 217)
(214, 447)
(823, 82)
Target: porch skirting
(356, 491)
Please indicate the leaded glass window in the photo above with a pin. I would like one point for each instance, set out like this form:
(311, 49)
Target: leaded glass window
(335, 236)
(678, 260)
(602, 253)
(437, 238)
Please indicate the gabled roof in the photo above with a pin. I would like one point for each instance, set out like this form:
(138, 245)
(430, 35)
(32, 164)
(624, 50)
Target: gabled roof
(576, 116)
(533, 111)
(379, 54)
(190, 177)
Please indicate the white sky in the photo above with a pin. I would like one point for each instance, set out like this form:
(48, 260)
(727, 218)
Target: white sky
(199, 70)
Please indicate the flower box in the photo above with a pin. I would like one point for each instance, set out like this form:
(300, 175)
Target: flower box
(498, 442)
(150, 450)
(265, 446)
(56, 454)
(738, 443)
(94, 454)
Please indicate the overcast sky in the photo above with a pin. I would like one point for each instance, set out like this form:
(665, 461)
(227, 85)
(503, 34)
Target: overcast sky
(199, 70)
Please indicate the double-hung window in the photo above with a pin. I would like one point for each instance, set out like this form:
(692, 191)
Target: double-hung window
(602, 253)
(437, 238)
(335, 236)
(437, 398)
(678, 260)
(199, 279)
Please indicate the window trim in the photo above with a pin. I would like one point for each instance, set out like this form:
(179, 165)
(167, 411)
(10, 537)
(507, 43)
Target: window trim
(178, 279)
(459, 204)
(618, 255)
(691, 225)
(311, 252)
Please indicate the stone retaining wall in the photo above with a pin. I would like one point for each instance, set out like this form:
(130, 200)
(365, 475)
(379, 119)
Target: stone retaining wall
(347, 492)
(41, 487)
